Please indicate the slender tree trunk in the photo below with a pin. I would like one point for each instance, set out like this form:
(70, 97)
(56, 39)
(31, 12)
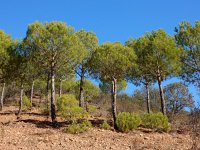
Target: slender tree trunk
(47, 91)
(163, 107)
(2, 96)
(147, 97)
(53, 96)
(81, 96)
(113, 102)
(86, 106)
(60, 88)
(20, 102)
(32, 90)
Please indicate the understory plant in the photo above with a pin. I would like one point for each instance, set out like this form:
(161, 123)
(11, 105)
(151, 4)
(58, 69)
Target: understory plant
(76, 128)
(26, 103)
(156, 121)
(69, 109)
(127, 121)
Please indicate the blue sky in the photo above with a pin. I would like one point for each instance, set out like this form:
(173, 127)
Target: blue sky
(111, 20)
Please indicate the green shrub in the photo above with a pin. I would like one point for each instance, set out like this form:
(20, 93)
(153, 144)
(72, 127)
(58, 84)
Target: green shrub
(66, 100)
(105, 126)
(87, 123)
(91, 108)
(39, 87)
(67, 106)
(127, 121)
(44, 109)
(75, 128)
(156, 121)
(26, 103)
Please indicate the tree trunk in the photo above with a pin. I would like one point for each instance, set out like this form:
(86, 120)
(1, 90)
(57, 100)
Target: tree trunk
(81, 96)
(47, 91)
(147, 97)
(163, 108)
(53, 96)
(113, 102)
(2, 96)
(32, 90)
(86, 106)
(60, 88)
(20, 102)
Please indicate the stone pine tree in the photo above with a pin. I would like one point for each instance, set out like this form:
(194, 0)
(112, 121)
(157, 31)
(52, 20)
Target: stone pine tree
(188, 37)
(90, 92)
(63, 75)
(35, 72)
(110, 62)
(53, 46)
(88, 42)
(18, 69)
(106, 86)
(163, 59)
(141, 74)
(5, 45)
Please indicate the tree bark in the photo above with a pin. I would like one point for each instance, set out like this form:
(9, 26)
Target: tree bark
(2, 96)
(147, 96)
(86, 106)
(47, 91)
(53, 96)
(60, 88)
(81, 95)
(32, 90)
(113, 102)
(20, 102)
(163, 107)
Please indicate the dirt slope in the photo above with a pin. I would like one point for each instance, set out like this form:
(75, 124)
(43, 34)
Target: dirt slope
(33, 132)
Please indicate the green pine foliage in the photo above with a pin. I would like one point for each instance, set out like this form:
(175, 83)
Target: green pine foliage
(187, 37)
(156, 121)
(127, 121)
(67, 106)
(43, 108)
(76, 128)
(91, 109)
(26, 103)
(87, 123)
(105, 126)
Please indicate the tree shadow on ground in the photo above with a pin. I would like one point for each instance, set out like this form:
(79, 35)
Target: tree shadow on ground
(45, 123)
(57, 125)
(97, 122)
(7, 113)
(23, 113)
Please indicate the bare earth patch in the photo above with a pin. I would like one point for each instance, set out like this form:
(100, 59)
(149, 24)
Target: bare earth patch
(34, 131)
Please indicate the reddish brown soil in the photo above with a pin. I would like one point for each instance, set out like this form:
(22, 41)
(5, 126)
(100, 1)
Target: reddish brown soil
(34, 132)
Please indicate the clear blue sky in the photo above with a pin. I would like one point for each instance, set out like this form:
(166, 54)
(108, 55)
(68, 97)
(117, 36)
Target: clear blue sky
(111, 20)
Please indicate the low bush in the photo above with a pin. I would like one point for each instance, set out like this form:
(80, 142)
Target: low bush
(68, 108)
(91, 109)
(105, 126)
(66, 100)
(87, 123)
(127, 121)
(26, 103)
(156, 121)
(75, 128)
(44, 109)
